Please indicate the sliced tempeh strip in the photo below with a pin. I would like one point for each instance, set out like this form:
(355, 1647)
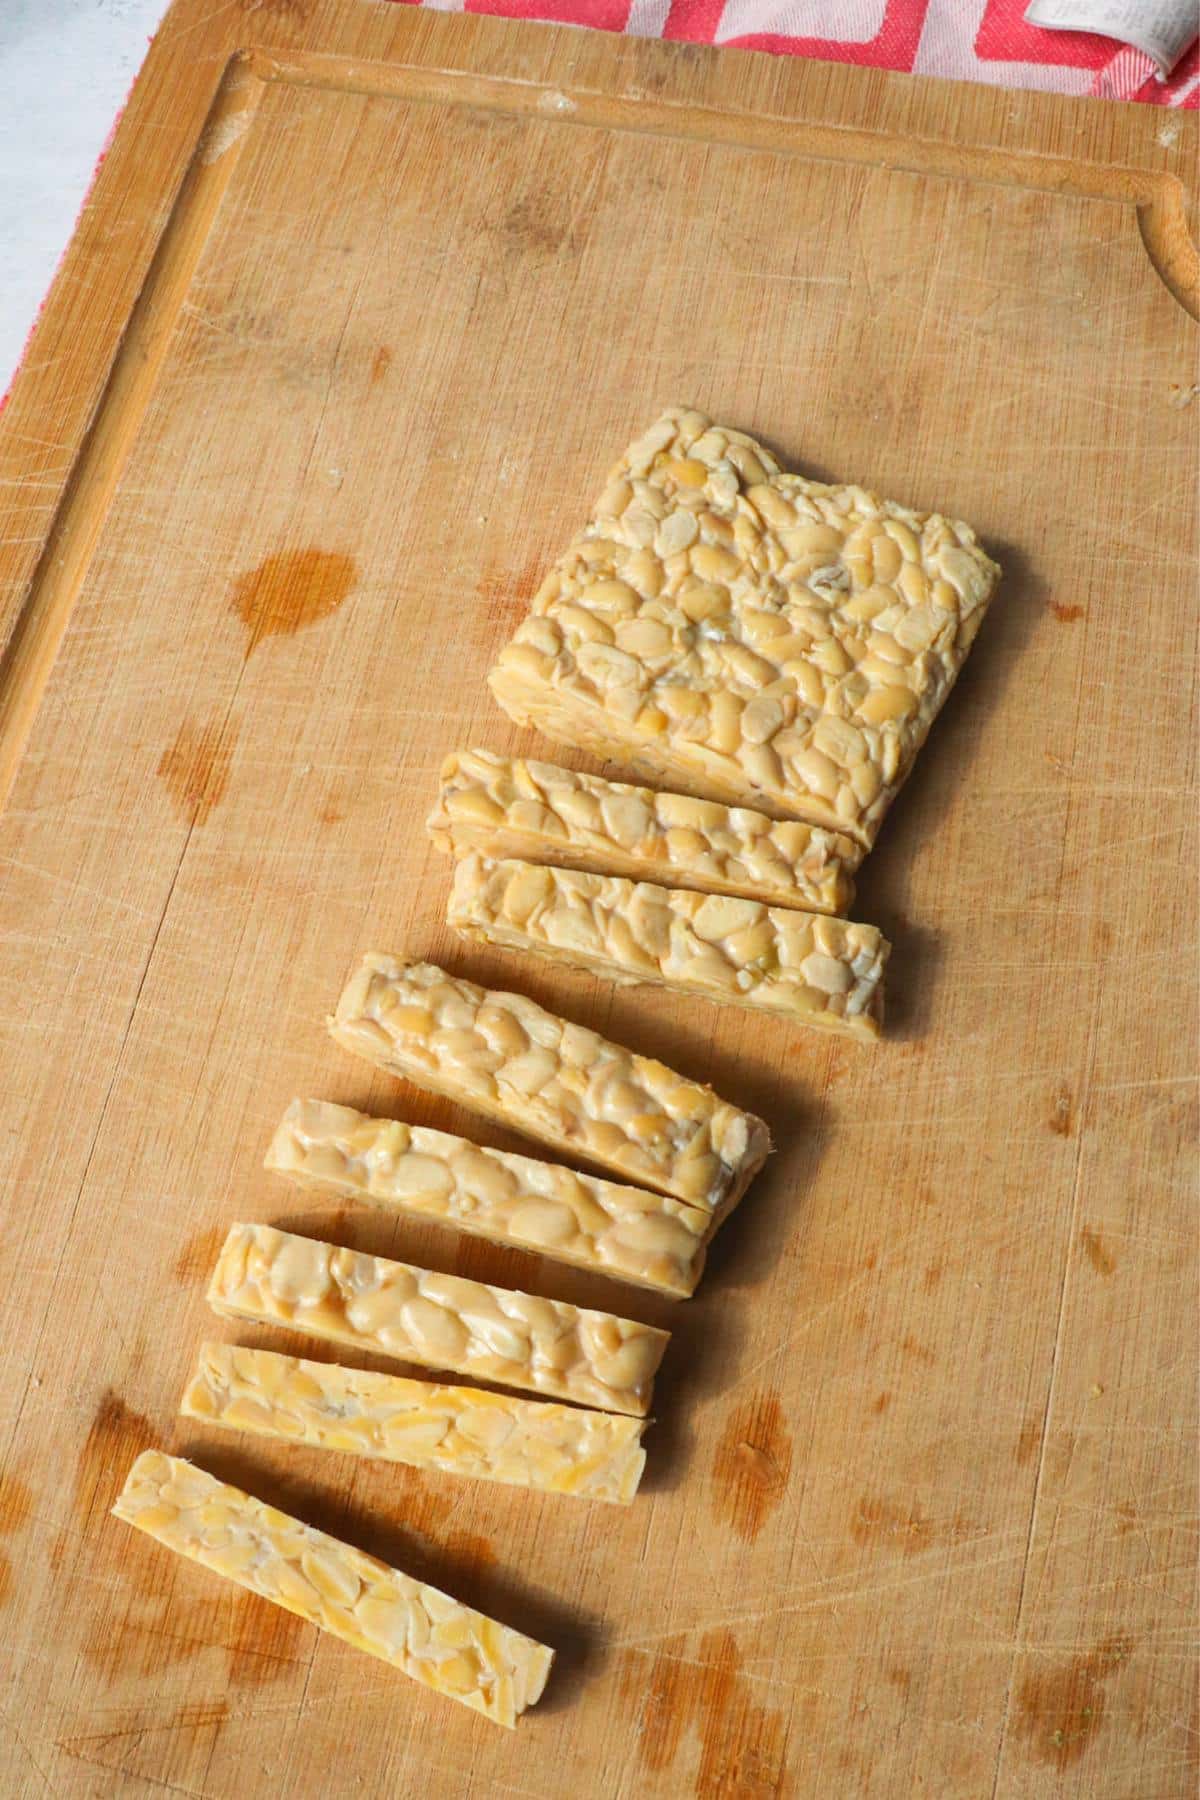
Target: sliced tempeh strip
(615, 1230)
(508, 1058)
(780, 642)
(506, 806)
(457, 1430)
(810, 968)
(442, 1321)
(436, 1640)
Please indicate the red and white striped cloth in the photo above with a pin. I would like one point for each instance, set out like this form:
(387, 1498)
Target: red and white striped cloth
(967, 40)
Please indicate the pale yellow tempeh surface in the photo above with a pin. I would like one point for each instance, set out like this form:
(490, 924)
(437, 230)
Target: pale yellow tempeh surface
(775, 641)
(810, 968)
(506, 806)
(509, 1059)
(456, 1430)
(601, 1225)
(436, 1640)
(441, 1321)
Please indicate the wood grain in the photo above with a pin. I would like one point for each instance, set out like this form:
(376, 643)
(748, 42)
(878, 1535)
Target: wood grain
(348, 332)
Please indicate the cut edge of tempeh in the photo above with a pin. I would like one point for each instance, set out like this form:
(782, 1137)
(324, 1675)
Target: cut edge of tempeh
(625, 1233)
(807, 968)
(510, 807)
(415, 1315)
(467, 1432)
(414, 1627)
(713, 1170)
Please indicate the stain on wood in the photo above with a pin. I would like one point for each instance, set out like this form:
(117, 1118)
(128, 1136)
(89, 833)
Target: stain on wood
(506, 592)
(741, 1743)
(706, 1696)
(544, 223)
(1066, 613)
(665, 1697)
(134, 1634)
(1097, 1252)
(16, 1504)
(115, 1437)
(1062, 1112)
(751, 1466)
(1060, 1709)
(290, 591)
(195, 766)
(197, 1259)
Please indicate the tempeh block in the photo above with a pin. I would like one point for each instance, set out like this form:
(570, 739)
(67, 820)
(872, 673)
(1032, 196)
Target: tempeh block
(441, 1321)
(436, 1640)
(509, 1059)
(456, 1430)
(506, 806)
(775, 641)
(807, 967)
(600, 1225)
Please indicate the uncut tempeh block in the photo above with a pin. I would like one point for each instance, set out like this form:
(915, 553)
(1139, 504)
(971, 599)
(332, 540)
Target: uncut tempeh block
(441, 1321)
(436, 1640)
(807, 967)
(506, 806)
(456, 1430)
(775, 641)
(600, 1225)
(509, 1059)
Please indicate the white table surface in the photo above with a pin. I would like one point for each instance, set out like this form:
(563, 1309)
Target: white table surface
(65, 69)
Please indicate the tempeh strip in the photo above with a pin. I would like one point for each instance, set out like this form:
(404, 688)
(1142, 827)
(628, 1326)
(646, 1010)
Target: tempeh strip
(441, 1321)
(456, 1430)
(436, 1640)
(809, 968)
(600, 1225)
(777, 642)
(511, 1060)
(506, 806)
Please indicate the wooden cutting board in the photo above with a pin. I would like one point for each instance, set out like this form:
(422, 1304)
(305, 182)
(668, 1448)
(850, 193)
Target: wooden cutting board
(322, 383)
